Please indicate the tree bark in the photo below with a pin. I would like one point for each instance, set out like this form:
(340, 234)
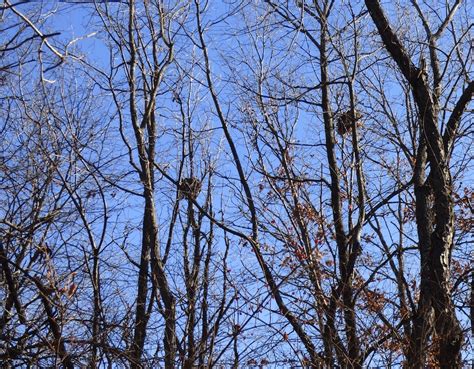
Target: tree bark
(433, 194)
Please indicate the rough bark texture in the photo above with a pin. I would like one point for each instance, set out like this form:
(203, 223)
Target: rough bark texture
(433, 194)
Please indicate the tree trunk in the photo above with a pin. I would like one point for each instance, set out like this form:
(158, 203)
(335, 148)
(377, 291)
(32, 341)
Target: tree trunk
(435, 245)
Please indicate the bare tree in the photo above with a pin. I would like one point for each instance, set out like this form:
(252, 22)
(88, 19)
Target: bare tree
(237, 184)
(434, 190)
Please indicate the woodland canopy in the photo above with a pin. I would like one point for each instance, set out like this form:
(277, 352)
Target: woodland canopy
(236, 184)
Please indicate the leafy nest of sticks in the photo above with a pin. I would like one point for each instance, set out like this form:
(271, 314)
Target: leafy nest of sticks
(344, 121)
(189, 188)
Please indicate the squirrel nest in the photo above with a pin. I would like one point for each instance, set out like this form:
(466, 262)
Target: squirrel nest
(344, 122)
(189, 188)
